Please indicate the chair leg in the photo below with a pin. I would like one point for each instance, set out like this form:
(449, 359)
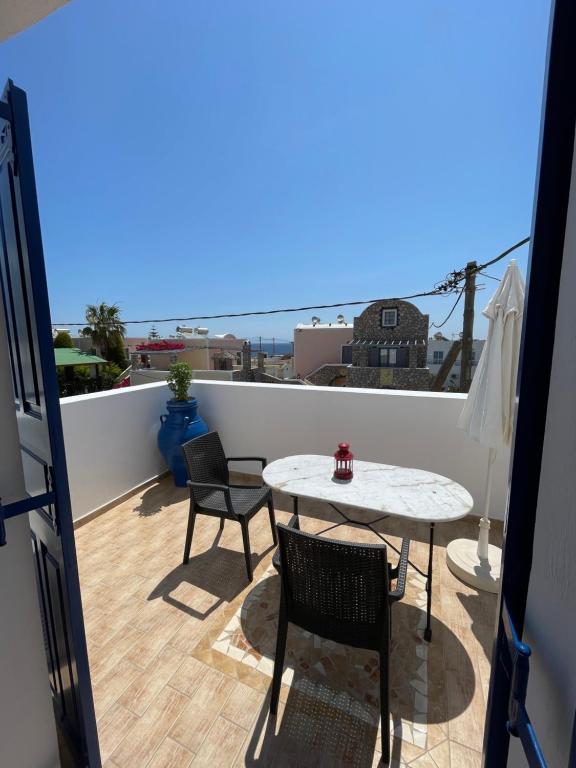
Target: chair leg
(385, 705)
(272, 520)
(247, 552)
(221, 523)
(278, 661)
(189, 532)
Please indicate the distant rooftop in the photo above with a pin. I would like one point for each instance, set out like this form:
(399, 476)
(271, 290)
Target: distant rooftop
(72, 356)
(325, 325)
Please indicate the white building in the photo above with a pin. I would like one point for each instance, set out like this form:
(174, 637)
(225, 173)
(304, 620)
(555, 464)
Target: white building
(439, 347)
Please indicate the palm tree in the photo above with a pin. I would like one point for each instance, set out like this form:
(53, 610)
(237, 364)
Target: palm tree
(105, 328)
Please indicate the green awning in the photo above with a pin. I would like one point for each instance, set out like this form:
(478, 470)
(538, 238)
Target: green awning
(73, 356)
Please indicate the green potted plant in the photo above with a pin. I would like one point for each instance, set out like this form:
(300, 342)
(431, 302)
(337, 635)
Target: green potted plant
(182, 422)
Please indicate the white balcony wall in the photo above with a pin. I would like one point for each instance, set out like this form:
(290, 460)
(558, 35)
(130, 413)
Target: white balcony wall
(111, 437)
(110, 440)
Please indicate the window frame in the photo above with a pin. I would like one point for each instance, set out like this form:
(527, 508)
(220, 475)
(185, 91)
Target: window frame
(383, 313)
(388, 351)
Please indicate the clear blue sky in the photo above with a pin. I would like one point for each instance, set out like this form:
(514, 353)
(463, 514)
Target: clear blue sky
(204, 157)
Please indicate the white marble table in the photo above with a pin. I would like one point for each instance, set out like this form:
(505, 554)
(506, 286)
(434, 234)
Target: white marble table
(389, 491)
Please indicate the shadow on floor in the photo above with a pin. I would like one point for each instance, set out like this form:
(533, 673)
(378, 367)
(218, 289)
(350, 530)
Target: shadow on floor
(351, 675)
(218, 571)
(481, 608)
(159, 496)
(311, 732)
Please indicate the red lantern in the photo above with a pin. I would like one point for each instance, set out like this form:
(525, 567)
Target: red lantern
(343, 462)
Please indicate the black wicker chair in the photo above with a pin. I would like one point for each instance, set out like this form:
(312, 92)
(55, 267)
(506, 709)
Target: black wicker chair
(212, 494)
(340, 591)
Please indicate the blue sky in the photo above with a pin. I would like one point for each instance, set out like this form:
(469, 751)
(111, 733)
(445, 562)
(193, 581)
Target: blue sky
(207, 157)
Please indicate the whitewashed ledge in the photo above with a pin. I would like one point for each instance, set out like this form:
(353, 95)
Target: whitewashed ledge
(384, 488)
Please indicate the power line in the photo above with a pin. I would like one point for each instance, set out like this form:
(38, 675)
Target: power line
(435, 292)
(503, 255)
(449, 315)
(449, 285)
(490, 276)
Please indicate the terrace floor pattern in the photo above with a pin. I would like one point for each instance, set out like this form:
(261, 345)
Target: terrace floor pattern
(181, 656)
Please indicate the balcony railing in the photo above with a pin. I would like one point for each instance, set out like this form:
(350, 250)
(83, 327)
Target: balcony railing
(111, 446)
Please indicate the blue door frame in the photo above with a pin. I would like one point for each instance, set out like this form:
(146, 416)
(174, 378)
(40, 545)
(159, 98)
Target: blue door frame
(545, 265)
(37, 405)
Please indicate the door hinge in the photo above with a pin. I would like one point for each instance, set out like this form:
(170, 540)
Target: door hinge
(519, 724)
(21, 507)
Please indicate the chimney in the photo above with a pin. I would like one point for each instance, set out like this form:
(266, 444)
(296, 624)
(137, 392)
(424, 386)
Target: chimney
(246, 356)
(261, 358)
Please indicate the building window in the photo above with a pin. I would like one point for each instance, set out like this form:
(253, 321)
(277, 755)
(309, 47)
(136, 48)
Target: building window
(388, 358)
(438, 356)
(389, 318)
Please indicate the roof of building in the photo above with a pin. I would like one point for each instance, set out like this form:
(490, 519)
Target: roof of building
(388, 342)
(324, 325)
(74, 356)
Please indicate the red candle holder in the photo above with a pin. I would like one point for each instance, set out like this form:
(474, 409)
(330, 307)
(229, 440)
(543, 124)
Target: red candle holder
(343, 463)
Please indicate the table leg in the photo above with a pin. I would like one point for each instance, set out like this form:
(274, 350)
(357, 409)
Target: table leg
(428, 630)
(295, 512)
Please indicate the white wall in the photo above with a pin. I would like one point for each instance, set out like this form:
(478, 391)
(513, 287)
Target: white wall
(111, 437)
(551, 608)
(110, 440)
(27, 730)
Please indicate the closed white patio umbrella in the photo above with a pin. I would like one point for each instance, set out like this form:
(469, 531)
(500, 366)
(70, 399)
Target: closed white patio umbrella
(487, 417)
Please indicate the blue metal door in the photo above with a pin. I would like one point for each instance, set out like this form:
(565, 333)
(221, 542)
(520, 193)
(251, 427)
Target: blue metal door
(25, 298)
(507, 715)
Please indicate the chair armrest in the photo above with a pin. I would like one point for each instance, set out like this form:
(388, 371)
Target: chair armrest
(225, 489)
(261, 459)
(399, 572)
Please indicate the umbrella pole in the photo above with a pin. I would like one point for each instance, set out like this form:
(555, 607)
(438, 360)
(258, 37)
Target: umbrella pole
(484, 524)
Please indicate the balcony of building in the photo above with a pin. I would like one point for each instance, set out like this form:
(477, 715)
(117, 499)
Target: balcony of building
(181, 656)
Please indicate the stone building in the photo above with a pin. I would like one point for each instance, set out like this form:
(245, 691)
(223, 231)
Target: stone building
(388, 350)
(389, 347)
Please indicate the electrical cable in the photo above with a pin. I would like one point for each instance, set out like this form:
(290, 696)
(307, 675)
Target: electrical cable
(449, 285)
(449, 315)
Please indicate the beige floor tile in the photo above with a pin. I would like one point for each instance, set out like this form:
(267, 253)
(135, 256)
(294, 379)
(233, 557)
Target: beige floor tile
(170, 754)
(189, 675)
(147, 735)
(425, 761)
(441, 754)
(113, 726)
(463, 757)
(193, 725)
(110, 687)
(138, 696)
(106, 657)
(243, 706)
(221, 746)
(149, 644)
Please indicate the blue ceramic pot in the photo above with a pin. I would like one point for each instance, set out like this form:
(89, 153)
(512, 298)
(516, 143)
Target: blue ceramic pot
(180, 425)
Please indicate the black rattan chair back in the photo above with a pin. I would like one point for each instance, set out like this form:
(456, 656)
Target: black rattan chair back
(335, 589)
(206, 462)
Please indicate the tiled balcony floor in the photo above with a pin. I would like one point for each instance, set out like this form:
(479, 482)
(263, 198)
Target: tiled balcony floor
(181, 656)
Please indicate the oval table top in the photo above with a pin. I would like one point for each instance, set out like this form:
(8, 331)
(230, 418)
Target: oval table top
(396, 491)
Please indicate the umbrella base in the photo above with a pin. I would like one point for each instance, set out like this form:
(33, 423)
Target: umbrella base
(462, 559)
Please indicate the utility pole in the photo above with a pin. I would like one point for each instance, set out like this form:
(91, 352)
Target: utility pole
(273, 346)
(468, 326)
